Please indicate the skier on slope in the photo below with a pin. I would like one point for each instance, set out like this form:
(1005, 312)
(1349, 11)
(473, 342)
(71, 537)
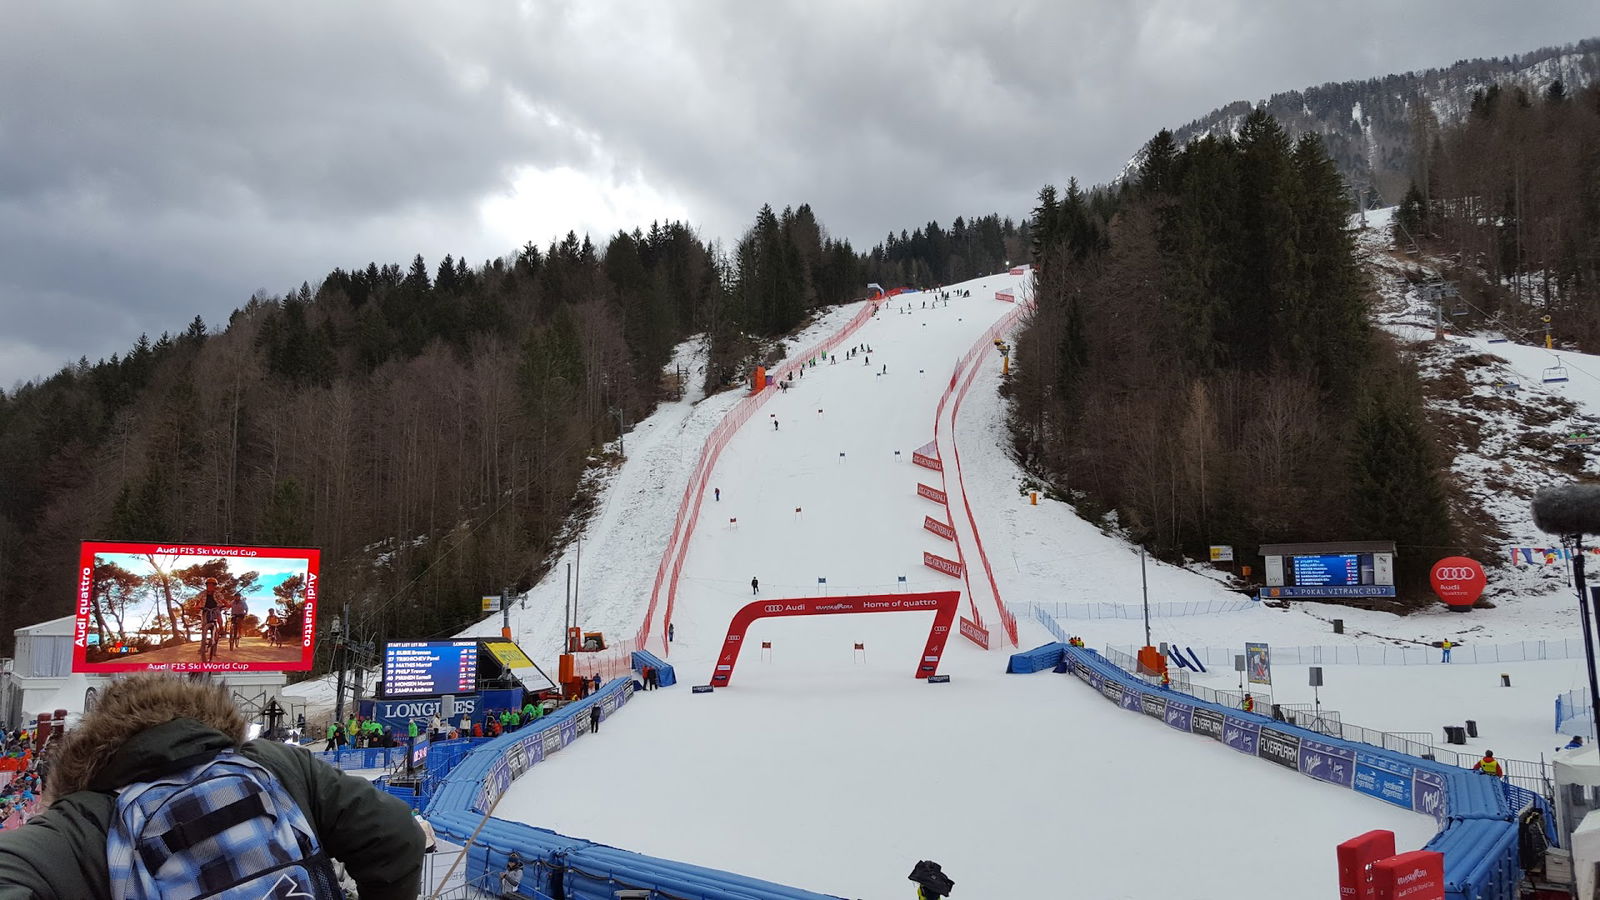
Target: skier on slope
(755, 586)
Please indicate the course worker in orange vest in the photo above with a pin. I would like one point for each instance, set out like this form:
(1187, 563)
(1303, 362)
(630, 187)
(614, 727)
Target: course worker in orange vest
(1249, 704)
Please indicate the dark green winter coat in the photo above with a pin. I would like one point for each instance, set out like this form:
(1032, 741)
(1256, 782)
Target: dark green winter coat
(61, 853)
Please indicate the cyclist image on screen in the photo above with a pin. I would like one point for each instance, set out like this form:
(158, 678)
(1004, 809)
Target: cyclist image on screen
(236, 615)
(211, 624)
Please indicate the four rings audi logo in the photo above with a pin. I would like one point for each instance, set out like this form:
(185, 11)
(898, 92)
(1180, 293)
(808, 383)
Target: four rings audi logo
(1455, 573)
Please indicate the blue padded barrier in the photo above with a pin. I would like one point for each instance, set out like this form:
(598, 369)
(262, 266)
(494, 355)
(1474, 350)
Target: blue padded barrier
(1479, 859)
(665, 676)
(1477, 796)
(596, 872)
(556, 865)
(1035, 660)
(1478, 835)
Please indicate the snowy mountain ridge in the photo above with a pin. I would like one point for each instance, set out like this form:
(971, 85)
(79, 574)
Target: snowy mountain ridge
(1368, 125)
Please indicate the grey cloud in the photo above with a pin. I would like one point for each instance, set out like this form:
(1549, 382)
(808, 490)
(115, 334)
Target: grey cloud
(159, 160)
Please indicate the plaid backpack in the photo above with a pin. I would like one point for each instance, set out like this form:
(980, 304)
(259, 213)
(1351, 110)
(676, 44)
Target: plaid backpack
(224, 829)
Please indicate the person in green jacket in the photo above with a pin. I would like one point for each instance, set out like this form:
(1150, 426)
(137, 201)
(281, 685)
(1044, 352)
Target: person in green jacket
(333, 737)
(153, 724)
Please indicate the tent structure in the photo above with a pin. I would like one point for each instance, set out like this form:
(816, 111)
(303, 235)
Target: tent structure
(1577, 773)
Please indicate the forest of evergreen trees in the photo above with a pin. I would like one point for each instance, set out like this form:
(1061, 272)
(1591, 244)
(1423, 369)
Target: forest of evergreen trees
(439, 418)
(1512, 196)
(1200, 363)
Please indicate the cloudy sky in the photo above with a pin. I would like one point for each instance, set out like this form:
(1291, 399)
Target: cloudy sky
(160, 160)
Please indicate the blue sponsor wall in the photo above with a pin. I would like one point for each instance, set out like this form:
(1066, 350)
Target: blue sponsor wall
(1477, 827)
(554, 864)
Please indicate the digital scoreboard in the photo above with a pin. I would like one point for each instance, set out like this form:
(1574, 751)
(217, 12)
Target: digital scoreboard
(1331, 570)
(421, 668)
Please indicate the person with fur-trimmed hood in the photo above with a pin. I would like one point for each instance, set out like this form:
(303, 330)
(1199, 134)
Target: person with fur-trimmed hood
(149, 725)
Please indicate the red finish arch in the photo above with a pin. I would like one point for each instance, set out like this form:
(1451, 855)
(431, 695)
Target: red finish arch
(942, 603)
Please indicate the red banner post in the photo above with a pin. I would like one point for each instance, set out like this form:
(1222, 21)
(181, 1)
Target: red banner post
(931, 493)
(1417, 875)
(941, 603)
(942, 529)
(948, 566)
(974, 632)
(1356, 857)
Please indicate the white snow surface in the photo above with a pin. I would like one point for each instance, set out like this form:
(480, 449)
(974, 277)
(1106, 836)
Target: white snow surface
(836, 770)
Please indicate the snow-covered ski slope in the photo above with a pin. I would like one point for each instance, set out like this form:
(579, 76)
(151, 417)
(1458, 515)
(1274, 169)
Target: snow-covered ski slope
(834, 769)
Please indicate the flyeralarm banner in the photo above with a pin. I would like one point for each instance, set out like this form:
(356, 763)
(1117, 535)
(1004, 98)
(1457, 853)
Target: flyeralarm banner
(194, 608)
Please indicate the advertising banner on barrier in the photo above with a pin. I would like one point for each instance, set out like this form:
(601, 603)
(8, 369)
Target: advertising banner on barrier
(1112, 690)
(552, 740)
(940, 528)
(1155, 707)
(927, 456)
(1242, 736)
(1208, 722)
(569, 731)
(1327, 762)
(932, 493)
(948, 566)
(1132, 700)
(1281, 747)
(1384, 778)
(1006, 296)
(517, 759)
(974, 632)
(1427, 794)
(1178, 715)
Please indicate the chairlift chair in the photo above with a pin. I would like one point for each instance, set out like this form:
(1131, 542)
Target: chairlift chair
(1460, 309)
(1556, 374)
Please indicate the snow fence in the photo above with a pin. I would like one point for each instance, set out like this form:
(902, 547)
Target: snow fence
(555, 865)
(1477, 827)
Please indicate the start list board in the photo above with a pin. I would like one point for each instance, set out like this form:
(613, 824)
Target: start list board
(1329, 570)
(415, 668)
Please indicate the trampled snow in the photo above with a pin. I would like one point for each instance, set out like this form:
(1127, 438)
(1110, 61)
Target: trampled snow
(834, 769)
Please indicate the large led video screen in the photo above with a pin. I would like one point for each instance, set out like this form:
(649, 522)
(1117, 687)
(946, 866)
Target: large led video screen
(194, 608)
(1329, 570)
(430, 668)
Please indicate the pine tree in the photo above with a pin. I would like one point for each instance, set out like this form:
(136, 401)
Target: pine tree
(1395, 487)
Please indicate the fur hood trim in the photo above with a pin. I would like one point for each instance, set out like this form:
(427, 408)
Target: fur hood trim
(128, 707)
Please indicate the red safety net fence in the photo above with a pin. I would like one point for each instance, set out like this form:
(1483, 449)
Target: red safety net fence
(667, 573)
(968, 365)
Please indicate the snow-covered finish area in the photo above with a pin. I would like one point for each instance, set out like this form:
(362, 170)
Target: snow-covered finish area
(834, 769)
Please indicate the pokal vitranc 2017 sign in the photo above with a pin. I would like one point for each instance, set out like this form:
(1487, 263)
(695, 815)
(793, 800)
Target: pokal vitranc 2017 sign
(194, 608)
